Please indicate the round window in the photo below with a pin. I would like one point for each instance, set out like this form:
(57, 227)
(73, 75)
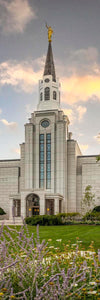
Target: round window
(45, 123)
(47, 80)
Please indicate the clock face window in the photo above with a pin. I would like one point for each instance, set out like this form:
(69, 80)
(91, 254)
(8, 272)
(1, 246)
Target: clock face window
(45, 123)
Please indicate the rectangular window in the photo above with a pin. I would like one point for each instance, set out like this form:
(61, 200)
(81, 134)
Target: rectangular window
(48, 160)
(41, 160)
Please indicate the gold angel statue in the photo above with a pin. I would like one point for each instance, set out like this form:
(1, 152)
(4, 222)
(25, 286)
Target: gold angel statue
(50, 32)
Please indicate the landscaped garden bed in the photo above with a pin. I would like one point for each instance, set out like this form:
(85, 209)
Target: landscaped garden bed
(35, 269)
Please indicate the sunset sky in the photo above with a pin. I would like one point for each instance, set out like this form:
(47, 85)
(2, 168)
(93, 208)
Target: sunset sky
(76, 51)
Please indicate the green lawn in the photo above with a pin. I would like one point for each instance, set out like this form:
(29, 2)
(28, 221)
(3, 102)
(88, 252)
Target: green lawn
(85, 233)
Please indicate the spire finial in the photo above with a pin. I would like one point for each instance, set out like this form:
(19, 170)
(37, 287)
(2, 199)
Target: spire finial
(50, 32)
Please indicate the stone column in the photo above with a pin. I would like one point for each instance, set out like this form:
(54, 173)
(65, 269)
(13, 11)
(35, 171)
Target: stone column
(56, 205)
(23, 205)
(71, 180)
(22, 150)
(29, 156)
(42, 204)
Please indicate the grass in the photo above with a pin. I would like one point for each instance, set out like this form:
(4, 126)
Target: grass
(85, 233)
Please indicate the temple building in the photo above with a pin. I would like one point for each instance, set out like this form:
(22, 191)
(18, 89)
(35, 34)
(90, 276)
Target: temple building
(51, 175)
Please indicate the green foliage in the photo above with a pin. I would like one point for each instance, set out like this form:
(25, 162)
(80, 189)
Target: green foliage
(93, 216)
(44, 220)
(2, 212)
(59, 219)
(69, 216)
(97, 208)
(33, 268)
(98, 158)
(89, 199)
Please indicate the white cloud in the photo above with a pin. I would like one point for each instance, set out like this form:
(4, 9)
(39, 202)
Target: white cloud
(20, 75)
(81, 111)
(80, 134)
(76, 88)
(70, 113)
(15, 15)
(0, 111)
(11, 125)
(97, 138)
(83, 147)
(80, 62)
(75, 113)
(29, 109)
(80, 75)
(16, 150)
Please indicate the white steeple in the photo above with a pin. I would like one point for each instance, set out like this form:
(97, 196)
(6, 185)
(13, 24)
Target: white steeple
(49, 94)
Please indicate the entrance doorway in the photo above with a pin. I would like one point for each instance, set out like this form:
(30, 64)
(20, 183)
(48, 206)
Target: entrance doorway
(32, 205)
(50, 207)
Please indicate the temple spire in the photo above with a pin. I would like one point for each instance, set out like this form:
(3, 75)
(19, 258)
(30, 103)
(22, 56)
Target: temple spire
(49, 65)
(49, 94)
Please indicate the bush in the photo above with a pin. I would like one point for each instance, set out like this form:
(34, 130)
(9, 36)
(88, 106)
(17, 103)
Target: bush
(97, 208)
(93, 216)
(44, 220)
(59, 219)
(2, 212)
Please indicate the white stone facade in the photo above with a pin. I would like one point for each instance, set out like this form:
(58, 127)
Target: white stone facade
(50, 177)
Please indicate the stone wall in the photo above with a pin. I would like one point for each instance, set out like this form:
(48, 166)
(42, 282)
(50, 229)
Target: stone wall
(88, 173)
(9, 181)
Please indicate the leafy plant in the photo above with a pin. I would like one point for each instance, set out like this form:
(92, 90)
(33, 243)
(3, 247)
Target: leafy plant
(97, 208)
(88, 199)
(2, 212)
(44, 220)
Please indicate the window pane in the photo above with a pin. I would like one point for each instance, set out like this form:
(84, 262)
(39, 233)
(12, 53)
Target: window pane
(48, 160)
(48, 155)
(41, 167)
(41, 156)
(42, 137)
(41, 161)
(54, 95)
(48, 147)
(48, 167)
(47, 93)
(41, 97)
(41, 175)
(48, 175)
(41, 147)
(41, 183)
(48, 184)
(48, 136)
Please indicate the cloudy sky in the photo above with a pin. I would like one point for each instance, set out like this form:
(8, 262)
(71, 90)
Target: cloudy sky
(76, 50)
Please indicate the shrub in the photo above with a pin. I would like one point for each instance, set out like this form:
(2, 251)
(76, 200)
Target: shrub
(2, 212)
(44, 220)
(97, 208)
(92, 216)
(69, 217)
(59, 219)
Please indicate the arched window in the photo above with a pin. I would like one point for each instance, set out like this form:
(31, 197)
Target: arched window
(54, 95)
(41, 96)
(47, 93)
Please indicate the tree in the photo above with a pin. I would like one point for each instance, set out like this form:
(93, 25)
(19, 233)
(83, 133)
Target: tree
(98, 158)
(88, 199)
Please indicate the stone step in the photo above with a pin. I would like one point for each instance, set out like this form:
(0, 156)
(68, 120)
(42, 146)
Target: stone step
(17, 221)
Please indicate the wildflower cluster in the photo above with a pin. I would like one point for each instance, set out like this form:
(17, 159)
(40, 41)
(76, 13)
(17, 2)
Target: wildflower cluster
(33, 270)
